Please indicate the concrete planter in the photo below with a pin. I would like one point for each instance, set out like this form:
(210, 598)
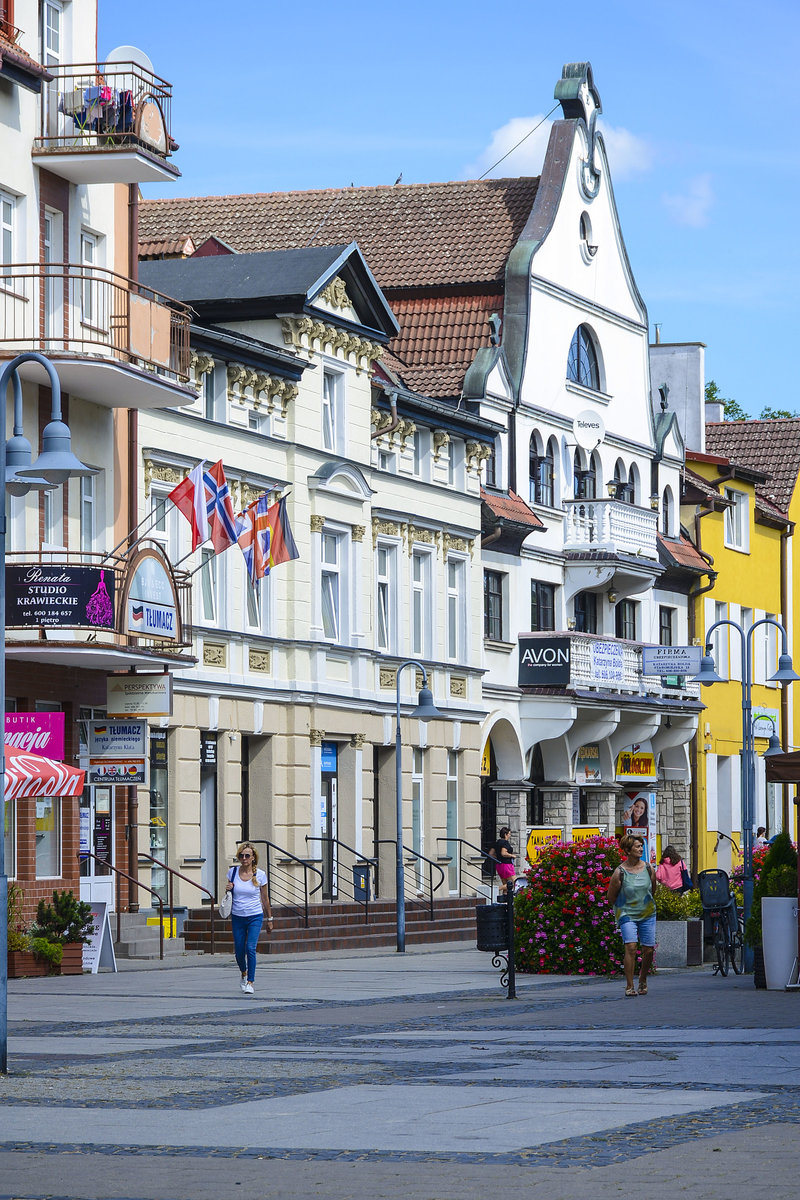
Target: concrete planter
(679, 943)
(779, 936)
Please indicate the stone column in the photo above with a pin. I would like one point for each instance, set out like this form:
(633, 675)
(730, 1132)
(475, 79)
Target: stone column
(512, 810)
(602, 809)
(558, 808)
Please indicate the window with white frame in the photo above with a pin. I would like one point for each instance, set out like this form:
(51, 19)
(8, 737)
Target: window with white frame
(421, 449)
(253, 593)
(333, 410)
(387, 460)
(164, 528)
(767, 650)
(48, 837)
(493, 588)
(330, 586)
(452, 820)
(737, 524)
(53, 513)
(208, 586)
(418, 808)
(455, 462)
(88, 513)
(90, 287)
(719, 639)
(8, 232)
(456, 608)
(421, 603)
(386, 597)
(210, 395)
(258, 422)
(52, 33)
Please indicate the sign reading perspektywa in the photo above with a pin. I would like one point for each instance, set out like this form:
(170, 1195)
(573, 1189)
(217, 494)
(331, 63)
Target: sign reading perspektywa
(59, 596)
(139, 695)
(117, 752)
(544, 662)
(671, 660)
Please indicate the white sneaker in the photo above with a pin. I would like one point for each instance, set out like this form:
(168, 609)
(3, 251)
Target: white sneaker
(248, 989)
(243, 984)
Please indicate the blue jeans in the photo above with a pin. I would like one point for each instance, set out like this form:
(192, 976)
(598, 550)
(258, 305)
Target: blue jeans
(245, 938)
(642, 931)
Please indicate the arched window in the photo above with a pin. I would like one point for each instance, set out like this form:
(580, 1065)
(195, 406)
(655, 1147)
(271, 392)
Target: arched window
(666, 513)
(542, 473)
(624, 485)
(584, 479)
(582, 361)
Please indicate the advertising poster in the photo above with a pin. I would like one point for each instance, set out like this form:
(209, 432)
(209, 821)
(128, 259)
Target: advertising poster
(36, 733)
(639, 817)
(587, 764)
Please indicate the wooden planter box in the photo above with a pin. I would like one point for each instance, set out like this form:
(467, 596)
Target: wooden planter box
(22, 964)
(72, 959)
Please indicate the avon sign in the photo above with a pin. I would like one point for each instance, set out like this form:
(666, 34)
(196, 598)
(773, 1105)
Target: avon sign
(544, 662)
(36, 733)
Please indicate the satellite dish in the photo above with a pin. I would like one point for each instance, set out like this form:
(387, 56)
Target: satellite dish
(130, 54)
(588, 429)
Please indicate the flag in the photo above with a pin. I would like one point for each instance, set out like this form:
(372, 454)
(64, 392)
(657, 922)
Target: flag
(282, 546)
(253, 536)
(245, 536)
(189, 497)
(221, 521)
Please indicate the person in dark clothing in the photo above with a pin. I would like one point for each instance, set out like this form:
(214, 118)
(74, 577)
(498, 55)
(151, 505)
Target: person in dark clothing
(504, 853)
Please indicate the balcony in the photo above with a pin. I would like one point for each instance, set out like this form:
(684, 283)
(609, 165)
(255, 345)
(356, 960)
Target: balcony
(106, 123)
(76, 609)
(591, 663)
(114, 342)
(610, 526)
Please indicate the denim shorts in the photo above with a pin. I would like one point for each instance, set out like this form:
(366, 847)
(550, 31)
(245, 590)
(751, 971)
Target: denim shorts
(643, 932)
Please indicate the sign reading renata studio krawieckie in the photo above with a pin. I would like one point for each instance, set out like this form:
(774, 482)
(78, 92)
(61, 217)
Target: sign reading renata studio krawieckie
(544, 661)
(36, 733)
(117, 752)
(59, 596)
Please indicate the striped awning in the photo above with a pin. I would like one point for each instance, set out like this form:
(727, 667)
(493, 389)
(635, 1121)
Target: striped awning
(33, 775)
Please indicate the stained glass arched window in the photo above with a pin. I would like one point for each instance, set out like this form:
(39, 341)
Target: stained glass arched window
(582, 361)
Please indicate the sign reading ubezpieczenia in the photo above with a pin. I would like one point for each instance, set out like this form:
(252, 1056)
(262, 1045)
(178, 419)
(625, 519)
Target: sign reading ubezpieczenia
(117, 752)
(671, 660)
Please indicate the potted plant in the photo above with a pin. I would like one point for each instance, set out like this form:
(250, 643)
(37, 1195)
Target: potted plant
(60, 931)
(22, 962)
(772, 925)
(679, 928)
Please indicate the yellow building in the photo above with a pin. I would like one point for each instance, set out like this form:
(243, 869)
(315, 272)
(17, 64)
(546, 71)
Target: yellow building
(745, 537)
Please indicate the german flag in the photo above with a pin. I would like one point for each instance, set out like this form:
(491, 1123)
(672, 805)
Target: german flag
(282, 546)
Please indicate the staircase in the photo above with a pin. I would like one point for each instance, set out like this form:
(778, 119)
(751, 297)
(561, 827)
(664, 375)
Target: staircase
(140, 940)
(342, 927)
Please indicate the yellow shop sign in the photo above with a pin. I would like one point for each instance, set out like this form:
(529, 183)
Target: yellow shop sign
(540, 837)
(636, 763)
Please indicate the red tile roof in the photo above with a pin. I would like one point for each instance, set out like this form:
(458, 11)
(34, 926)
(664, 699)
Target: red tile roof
(682, 553)
(15, 54)
(771, 446)
(508, 506)
(180, 247)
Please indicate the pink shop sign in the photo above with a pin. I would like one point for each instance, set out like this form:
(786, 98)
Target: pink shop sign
(36, 733)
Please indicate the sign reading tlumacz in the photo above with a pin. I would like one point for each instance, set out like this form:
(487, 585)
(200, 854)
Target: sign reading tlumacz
(544, 662)
(59, 595)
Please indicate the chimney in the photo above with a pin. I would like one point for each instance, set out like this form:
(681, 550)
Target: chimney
(714, 411)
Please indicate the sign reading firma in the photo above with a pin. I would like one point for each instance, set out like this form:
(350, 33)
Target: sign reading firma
(544, 662)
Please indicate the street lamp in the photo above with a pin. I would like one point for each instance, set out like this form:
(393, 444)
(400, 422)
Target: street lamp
(785, 674)
(55, 465)
(426, 710)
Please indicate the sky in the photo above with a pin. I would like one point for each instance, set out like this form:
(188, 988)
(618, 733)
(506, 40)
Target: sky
(699, 117)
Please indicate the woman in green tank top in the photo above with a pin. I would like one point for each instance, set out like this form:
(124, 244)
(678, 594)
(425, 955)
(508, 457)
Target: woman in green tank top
(631, 893)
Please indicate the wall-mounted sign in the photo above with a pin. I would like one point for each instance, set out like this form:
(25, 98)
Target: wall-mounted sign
(139, 695)
(544, 662)
(766, 721)
(117, 752)
(208, 749)
(588, 429)
(151, 601)
(607, 662)
(59, 596)
(587, 764)
(328, 757)
(636, 764)
(486, 759)
(538, 838)
(671, 660)
(36, 733)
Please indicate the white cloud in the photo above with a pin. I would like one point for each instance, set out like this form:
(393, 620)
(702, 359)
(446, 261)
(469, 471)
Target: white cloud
(627, 153)
(692, 206)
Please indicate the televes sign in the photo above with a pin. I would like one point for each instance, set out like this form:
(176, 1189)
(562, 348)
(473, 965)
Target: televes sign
(544, 662)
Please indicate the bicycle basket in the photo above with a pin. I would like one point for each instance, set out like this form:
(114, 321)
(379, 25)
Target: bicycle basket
(715, 889)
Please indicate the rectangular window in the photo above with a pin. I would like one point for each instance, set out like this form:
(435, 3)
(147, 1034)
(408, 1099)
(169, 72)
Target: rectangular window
(88, 509)
(586, 612)
(490, 467)
(51, 33)
(456, 614)
(385, 597)
(330, 581)
(210, 395)
(421, 639)
(387, 460)
(208, 585)
(253, 601)
(48, 837)
(452, 820)
(90, 308)
(493, 605)
(626, 619)
(737, 526)
(7, 232)
(666, 622)
(332, 411)
(719, 642)
(543, 601)
(53, 508)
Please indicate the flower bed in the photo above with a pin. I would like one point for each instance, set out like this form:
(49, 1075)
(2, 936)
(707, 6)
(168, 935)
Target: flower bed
(564, 924)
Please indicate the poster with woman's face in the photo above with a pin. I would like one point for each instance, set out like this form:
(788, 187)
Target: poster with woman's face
(638, 816)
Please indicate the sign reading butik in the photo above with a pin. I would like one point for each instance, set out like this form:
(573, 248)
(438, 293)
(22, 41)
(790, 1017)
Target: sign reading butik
(544, 662)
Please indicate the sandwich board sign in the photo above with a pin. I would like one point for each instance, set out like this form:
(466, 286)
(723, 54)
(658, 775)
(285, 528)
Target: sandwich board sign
(99, 952)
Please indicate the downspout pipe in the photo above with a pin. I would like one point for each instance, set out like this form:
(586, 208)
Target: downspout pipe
(786, 617)
(694, 594)
(491, 537)
(395, 418)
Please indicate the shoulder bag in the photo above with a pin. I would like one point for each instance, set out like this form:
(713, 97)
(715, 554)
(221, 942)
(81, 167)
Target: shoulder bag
(226, 903)
(686, 879)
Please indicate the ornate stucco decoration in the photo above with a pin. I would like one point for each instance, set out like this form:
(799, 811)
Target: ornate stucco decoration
(387, 678)
(249, 493)
(214, 654)
(427, 536)
(201, 364)
(357, 741)
(381, 419)
(317, 523)
(449, 542)
(458, 686)
(477, 453)
(310, 336)
(399, 436)
(316, 736)
(336, 295)
(238, 379)
(259, 660)
(161, 473)
(384, 529)
(441, 438)
(357, 533)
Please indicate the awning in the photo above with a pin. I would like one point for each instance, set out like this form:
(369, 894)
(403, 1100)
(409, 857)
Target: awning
(783, 768)
(32, 775)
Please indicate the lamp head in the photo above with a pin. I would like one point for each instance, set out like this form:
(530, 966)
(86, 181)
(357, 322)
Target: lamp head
(707, 673)
(426, 710)
(56, 462)
(785, 672)
(18, 458)
(774, 746)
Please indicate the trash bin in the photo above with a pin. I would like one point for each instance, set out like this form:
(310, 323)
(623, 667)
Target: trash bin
(361, 882)
(492, 926)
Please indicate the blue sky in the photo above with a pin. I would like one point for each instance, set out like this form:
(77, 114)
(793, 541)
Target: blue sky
(699, 113)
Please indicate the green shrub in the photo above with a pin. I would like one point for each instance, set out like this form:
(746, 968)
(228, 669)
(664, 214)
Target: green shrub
(17, 933)
(50, 952)
(672, 906)
(778, 877)
(67, 919)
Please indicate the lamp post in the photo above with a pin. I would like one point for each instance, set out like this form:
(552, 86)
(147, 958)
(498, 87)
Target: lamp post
(54, 466)
(426, 710)
(784, 675)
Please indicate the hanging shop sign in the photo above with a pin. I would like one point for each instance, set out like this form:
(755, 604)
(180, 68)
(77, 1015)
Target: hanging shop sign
(150, 607)
(671, 660)
(538, 838)
(587, 764)
(117, 752)
(766, 721)
(59, 596)
(544, 662)
(636, 764)
(139, 695)
(36, 733)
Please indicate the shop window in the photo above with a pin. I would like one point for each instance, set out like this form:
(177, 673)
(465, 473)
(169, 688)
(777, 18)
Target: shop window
(48, 837)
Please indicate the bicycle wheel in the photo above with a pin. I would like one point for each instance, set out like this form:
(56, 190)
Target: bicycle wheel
(720, 946)
(736, 952)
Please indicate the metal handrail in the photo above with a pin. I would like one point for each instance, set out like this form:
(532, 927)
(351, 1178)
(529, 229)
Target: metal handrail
(119, 872)
(364, 858)
(172, 871)
(481, 854)
(307, 866)
(415, 854)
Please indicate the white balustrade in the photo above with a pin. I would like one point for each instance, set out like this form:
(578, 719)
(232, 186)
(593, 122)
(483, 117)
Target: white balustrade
(610, 525)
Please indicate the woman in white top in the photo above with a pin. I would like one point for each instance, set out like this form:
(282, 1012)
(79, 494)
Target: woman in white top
(250, 906)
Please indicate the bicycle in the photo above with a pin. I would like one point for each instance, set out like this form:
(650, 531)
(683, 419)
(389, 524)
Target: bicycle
(721, 912)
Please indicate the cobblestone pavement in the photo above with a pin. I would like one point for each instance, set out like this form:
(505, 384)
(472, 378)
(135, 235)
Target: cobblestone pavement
(388, 1076)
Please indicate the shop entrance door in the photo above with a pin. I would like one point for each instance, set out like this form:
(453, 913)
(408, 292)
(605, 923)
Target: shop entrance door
(328, 821)
(97, 836)
(208, 810)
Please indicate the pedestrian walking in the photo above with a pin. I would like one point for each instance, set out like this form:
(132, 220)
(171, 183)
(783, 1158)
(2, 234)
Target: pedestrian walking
(670, 870)
(631, 893)
(504, 853)
(761, 838)
(250, 906)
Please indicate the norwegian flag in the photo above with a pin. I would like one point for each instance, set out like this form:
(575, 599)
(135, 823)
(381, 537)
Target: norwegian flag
(221, 521)
(189, 497)
(253, 534)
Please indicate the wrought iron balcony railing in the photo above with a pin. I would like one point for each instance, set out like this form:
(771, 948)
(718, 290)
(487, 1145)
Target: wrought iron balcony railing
(66, 309)
(610, 525)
